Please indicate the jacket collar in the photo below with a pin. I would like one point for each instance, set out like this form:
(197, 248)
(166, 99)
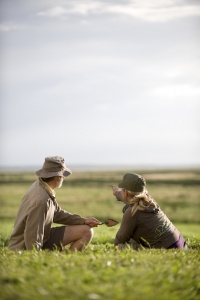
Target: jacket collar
(47, 188)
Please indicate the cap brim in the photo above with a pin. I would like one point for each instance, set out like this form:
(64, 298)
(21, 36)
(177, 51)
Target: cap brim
(120, 185)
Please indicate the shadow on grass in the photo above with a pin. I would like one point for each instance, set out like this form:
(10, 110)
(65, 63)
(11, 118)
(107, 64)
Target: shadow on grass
(193, 243)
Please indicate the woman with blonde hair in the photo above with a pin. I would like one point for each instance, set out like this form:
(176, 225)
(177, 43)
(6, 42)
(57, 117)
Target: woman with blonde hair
(143, 224)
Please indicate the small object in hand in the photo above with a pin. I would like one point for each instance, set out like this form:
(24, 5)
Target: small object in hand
(110, 222)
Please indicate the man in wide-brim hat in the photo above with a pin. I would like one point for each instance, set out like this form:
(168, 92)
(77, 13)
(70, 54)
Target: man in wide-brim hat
(39, 209)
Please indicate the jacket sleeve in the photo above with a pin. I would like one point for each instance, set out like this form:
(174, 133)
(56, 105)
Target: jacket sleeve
(34, 232)
(127, 228)
(118, 196)
(64, 217)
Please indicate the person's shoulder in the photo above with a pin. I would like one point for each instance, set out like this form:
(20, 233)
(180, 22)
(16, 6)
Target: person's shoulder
(125, 207)
(127, 212)
(38, 194)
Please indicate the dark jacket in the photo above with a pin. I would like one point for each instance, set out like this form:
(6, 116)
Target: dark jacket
(150, 227)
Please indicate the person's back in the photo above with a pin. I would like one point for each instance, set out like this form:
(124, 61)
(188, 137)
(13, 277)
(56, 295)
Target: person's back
(150, 228)
(39, 209)
(32, 208)
(143, 221)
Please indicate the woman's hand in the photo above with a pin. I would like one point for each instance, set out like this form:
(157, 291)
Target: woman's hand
(115, 189)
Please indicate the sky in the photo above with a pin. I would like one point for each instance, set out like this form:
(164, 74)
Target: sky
(100, 82)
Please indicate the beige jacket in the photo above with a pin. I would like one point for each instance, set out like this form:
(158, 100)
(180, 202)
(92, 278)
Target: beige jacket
(37, 212)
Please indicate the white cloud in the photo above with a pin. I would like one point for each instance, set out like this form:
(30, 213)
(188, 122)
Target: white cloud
(88, 7)
(175, 91)
(151, 11)
(78, 8)
(11, 26)
(148, 11)
(156, 12)
(54, 12)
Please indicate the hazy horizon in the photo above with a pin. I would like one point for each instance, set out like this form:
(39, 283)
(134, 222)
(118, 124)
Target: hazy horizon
(114, 167)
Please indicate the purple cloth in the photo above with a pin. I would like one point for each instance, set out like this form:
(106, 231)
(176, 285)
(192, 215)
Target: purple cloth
(179, 244)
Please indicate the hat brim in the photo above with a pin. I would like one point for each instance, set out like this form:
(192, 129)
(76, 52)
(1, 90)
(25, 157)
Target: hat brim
(44, 174)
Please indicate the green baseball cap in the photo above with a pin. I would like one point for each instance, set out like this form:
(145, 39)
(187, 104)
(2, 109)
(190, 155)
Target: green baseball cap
(133, 182)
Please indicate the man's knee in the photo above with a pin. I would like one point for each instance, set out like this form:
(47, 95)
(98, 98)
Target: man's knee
(76, 232)
(88, 231)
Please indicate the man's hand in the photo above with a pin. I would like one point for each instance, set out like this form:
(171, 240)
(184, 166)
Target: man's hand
(92, 222)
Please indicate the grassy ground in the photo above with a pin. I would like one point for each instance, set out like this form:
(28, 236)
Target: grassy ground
(102, 272)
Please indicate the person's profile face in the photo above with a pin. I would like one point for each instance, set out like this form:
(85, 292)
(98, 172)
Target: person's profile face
(59, 181)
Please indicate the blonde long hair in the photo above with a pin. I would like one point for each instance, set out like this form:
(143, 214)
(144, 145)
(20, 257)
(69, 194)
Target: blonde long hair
(140, 201)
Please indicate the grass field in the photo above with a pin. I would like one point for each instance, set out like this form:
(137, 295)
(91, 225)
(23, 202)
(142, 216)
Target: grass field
(102, 272)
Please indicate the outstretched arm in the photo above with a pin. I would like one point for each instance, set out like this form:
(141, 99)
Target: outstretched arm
(117, 193)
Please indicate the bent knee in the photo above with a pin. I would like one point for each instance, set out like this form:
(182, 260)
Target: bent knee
(88, 231)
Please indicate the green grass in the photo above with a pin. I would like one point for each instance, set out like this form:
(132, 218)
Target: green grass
(102, 272)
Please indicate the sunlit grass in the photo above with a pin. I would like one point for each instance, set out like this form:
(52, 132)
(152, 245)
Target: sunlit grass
(102, 272)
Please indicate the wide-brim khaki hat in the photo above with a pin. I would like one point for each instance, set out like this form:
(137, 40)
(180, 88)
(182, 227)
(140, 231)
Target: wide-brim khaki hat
(53, 166)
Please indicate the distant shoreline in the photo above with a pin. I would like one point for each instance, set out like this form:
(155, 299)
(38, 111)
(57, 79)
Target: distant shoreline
(93, 168)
